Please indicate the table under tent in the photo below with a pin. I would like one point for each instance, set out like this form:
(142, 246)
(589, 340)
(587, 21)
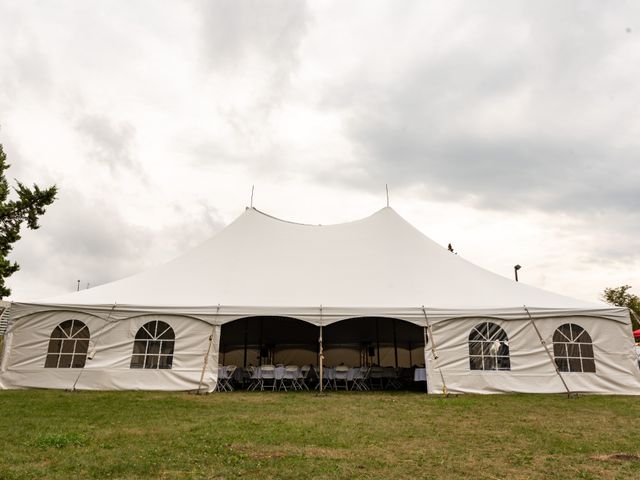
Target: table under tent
(355, 301)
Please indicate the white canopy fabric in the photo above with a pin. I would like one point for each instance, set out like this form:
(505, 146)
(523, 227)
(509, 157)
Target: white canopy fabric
(380, 266)
(379, 262)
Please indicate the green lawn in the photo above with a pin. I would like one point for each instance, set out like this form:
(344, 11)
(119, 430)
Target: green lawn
(51, 434)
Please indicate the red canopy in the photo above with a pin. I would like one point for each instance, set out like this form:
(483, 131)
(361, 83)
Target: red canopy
(636, 333)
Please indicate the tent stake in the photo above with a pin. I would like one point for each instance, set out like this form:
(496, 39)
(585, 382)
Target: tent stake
(546, 348)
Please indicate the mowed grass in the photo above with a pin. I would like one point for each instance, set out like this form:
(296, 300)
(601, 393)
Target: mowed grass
(53, 434)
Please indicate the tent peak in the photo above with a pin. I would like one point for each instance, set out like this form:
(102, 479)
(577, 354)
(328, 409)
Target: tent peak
(273, 217)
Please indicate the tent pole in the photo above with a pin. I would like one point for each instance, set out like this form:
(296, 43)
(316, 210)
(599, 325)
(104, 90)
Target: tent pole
(321, 352)
(410, 359)
(246, 335)
(428, 331)
(206, 356)
(426, 384)
(261, 338)
(395, 343)
(378, 341)
(546, 348)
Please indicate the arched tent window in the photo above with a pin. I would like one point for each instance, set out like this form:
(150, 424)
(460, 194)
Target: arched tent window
(153, 346)
(68, 345)
(573, 349)
(488, 348)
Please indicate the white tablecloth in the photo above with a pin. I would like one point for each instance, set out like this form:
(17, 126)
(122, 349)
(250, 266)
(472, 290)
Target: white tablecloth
(420, 375)
(279, 372)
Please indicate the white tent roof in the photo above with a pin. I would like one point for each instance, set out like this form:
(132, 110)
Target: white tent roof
(378, 262)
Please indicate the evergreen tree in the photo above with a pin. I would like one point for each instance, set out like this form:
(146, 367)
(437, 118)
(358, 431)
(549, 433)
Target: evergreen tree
(30, 204)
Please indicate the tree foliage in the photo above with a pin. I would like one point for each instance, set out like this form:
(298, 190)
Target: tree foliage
(621, 297)
(29, 205)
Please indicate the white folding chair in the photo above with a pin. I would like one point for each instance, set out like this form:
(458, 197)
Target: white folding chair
(376, 378)
(391, 377)
(268, 377)
(222, 373)
(255, 380)
(305, 374)
(290, 378)
(359, 379)
(340, 379)
(231, 370)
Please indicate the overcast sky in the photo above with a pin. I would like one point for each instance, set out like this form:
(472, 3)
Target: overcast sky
(510, 129)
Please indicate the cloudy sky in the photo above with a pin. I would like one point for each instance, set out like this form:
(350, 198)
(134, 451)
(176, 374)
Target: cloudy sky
(510, 129)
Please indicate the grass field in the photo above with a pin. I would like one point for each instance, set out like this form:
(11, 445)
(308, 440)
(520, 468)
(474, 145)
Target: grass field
(50, 434)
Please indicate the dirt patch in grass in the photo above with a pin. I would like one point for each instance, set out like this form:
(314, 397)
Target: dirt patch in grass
(624, 457)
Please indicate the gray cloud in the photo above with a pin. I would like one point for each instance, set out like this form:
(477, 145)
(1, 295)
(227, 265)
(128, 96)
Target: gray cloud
(532, 118)
(110, 142)
(233, 31)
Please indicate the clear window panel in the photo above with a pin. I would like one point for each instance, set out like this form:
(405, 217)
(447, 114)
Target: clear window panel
(139, 347)
(165, 361)
(55, 346)
(504, 363)
(560, 349)
(475, 363)
(78, 361)
(65, 361)
(151, 361)
(563, 364)
(167, 347)
(475, 348)
(153, 348)
(587, 350)
(575, 365)
(490, 363)
(573, 350)
(589, 365)
(51, 361)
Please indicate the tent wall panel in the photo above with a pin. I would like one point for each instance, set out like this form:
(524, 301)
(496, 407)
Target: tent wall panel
(108, 364)
(532, 370)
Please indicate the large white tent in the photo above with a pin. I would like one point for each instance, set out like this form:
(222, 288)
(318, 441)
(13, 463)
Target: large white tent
(379, 267)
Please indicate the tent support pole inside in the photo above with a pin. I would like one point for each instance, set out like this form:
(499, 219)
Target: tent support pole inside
(261, 332)
(321, 350)
(395, 343)
(378, 341)
(246, 335)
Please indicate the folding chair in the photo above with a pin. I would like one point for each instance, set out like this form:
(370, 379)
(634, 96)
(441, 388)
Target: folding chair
(225, 375)
(222, 374)
(268, 377)
(305, 376)
(255, 380)
(290, 378)
(376, 378)
(340, 379)
(359, 379)
(391, 377)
